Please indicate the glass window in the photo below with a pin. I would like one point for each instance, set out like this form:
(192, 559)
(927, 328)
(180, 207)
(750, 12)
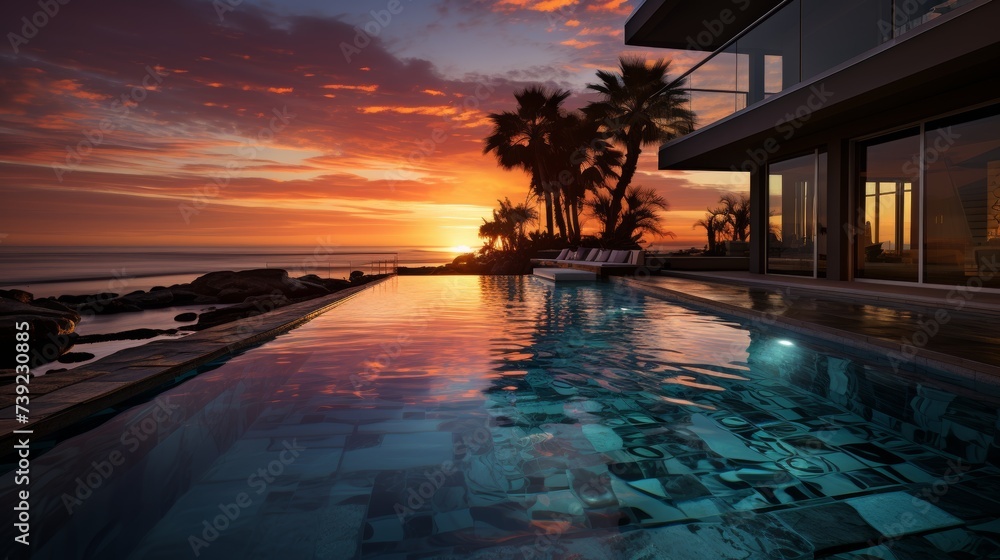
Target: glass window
(834, 32)
(792, 202)
(908, 14)
(889, 197)
(962, 222)
(719, 88)
(772, 51)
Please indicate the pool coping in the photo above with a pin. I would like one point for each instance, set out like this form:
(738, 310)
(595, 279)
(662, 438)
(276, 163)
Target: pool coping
(927, 298)
(78, 393)
(958, 370)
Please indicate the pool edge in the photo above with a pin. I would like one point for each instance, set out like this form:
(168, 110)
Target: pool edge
(960, 370)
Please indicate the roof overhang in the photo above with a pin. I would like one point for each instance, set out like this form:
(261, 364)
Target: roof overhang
(953, 63)
(704, 25)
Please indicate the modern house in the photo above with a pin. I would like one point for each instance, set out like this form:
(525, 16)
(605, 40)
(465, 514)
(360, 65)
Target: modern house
(870, 130)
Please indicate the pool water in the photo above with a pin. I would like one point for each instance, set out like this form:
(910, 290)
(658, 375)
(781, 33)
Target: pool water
(505, 417)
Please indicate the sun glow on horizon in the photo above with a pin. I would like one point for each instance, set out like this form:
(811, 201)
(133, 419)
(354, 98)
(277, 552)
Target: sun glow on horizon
(257, 140)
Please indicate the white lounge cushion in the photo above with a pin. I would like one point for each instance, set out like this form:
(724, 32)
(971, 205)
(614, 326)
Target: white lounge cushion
(592, 256)
(619, 257)
(562, 255)
(604, 255)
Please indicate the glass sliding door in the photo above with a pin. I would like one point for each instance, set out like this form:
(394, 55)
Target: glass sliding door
(821, 215)
(962, 221)
(887, 241)
(792, 223)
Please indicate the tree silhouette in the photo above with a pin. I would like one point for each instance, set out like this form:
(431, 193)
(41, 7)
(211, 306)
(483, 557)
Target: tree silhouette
(637, 108)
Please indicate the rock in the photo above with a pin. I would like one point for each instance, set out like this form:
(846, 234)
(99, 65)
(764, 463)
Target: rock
(231, 287)
(54, 305)
(17, 295)
(133, 334)
(315, 289)
(51, 331)
(186, 317)
(267, 303)
(231, 295)
(252, 306)
(75, 357)
(253, 292)
(356, 275)
(336, 284)
(329, 284)
(150, 300)
(186, 297)
(312, 279)
(109, 307)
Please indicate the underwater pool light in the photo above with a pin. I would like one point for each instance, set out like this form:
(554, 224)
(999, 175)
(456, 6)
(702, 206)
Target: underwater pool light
(786, 342)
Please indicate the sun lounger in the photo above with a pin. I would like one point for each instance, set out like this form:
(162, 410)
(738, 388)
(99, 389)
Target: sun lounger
(604, 262)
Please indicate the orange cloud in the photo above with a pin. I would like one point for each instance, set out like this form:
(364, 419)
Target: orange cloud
(436, 111)
(535, 5)
(608, 31)
(618, 7)
(433, 92)
(577, 44)
(367, 88)
(75, 89)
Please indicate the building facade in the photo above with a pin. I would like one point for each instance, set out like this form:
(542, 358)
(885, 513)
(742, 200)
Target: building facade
(870, 130)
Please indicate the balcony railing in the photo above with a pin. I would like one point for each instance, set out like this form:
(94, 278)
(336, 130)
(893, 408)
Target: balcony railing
(341, 265)
(795, 41)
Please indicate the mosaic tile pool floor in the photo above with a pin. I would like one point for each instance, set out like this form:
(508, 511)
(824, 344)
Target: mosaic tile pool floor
(506, 418)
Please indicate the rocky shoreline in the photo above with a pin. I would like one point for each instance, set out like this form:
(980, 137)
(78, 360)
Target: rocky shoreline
(53, 321)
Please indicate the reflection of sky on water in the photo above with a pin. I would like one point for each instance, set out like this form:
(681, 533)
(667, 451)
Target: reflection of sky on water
(464, 414)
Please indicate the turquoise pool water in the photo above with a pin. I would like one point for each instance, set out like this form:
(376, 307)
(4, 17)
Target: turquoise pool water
(504, 417)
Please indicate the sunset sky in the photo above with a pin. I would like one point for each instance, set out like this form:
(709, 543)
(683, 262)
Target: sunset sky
(257, 122)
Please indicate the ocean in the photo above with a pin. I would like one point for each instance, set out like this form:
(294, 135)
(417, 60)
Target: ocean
(55, 271)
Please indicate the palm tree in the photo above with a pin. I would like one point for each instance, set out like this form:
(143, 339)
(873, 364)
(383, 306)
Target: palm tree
(507, 226)
(522, 139)
(716, 226)
(638, 109)
(641, 207)
(736, 208)
(584, 161)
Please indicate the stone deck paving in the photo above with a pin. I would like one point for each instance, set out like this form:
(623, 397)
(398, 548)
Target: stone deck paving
(871, 318)
(59, 400)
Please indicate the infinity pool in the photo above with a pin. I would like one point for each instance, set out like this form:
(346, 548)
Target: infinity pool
(504, 417)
